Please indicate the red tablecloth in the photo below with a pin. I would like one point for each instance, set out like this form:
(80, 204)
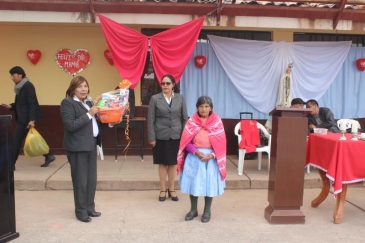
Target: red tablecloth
(342, 160)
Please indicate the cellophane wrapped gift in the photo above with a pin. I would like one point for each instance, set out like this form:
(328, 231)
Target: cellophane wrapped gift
(112, 105)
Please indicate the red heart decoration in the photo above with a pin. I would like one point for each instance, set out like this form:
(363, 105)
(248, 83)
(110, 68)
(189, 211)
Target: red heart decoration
(200, 61)
(73, 63)
(360, 63)
(34, 56)
(108, 57)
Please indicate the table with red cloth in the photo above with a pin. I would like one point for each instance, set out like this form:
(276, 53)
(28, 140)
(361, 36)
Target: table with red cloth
(339, 162)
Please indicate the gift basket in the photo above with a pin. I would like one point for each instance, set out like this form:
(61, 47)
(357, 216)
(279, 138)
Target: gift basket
(114, 104)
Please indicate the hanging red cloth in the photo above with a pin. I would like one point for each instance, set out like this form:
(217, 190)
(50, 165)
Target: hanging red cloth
(128, 48)
(172, 49)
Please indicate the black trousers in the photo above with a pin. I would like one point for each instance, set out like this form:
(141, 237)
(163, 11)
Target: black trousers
(83, 173)
(20, 133)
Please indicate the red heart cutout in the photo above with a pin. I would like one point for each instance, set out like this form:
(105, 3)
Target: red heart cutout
(73, 63)
(34, 56)
(108, 57)
(360, 63)
(200, 61)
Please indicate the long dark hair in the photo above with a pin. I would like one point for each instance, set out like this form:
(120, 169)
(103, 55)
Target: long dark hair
(75, 82)
(176, 89)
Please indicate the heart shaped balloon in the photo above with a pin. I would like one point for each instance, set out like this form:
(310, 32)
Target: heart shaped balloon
(34, 56)
(360, 63)
(72, 63)
(108, 57)
(200, 61)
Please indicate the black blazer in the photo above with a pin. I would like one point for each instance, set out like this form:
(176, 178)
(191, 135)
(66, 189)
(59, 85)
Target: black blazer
(26, 107)
(78, 127)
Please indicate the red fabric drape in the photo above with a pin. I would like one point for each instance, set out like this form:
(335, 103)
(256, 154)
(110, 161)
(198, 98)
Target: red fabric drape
(249, 135)
(171, 49)
(128, 48)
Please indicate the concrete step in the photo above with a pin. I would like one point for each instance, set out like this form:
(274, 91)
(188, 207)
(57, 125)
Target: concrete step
(130, 173)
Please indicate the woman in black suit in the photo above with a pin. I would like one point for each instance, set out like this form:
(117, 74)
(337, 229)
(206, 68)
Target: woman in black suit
(167, 115)
(81, 135)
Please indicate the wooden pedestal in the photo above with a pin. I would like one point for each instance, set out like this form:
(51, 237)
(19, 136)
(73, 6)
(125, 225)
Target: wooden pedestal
(7, 198)
(286, 176)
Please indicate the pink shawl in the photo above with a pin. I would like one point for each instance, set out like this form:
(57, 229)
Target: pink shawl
(216, 135)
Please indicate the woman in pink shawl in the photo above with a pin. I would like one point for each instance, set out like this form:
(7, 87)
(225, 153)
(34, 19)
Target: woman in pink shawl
(202, 158)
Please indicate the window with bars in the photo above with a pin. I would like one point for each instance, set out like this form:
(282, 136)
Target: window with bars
(149, 84)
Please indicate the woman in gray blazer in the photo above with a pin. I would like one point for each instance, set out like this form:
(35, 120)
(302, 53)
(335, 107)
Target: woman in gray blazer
(167, 116)
(81, 135)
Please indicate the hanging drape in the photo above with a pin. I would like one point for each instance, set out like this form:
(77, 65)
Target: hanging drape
(255, 67)
(128, 48)
(344, 96)
(213, 81)
(171, 49)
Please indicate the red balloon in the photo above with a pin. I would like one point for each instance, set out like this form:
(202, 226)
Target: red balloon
(108, 57)
(360, 63)
(200, 61)
(34, 56)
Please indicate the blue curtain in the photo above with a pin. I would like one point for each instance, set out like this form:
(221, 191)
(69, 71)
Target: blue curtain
(345, 96)
(212, 81)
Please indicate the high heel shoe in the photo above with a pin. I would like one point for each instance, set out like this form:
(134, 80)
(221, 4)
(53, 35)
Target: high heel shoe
(172, 198)
(161, 199)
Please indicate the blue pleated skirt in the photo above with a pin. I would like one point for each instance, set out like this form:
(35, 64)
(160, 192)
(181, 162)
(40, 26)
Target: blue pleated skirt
(201, 178)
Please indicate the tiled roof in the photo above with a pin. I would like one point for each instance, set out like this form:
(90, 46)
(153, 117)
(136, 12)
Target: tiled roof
(289, 4)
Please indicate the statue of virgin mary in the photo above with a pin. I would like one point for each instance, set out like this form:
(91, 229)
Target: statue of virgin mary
(285, 88)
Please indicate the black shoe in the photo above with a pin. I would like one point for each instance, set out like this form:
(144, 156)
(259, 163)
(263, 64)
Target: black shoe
(172, 198)
(85, 220)
(161, 199)
(94, 214)
(49, 158)
(206, 217)
(191, 216)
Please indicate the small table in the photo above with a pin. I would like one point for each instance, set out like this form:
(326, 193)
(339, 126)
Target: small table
(135, 122)
(338, 161)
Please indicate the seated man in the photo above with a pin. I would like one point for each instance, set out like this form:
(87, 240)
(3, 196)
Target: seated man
(297, 103)
(321, 117)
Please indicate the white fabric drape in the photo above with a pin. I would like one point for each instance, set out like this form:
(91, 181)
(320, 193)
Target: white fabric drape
(213, 81)
(345, 97)
(255, 67)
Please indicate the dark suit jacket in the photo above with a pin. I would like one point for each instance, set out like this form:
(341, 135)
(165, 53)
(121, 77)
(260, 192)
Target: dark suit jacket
(165, 122)
(78, 134)
(327, 118)
(26, 105)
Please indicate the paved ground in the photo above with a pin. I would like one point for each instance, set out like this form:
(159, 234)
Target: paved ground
(127, 197)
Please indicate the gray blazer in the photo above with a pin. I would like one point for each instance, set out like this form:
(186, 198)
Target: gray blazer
(78, 134)
(165, 122)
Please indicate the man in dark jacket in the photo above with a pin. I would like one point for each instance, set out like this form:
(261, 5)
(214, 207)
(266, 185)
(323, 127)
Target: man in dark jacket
(26, 109)
(321, 117)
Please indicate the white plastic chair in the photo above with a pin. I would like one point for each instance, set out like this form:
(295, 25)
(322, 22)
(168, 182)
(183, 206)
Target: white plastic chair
(99, 151)
(242, 152)
(348, 122)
